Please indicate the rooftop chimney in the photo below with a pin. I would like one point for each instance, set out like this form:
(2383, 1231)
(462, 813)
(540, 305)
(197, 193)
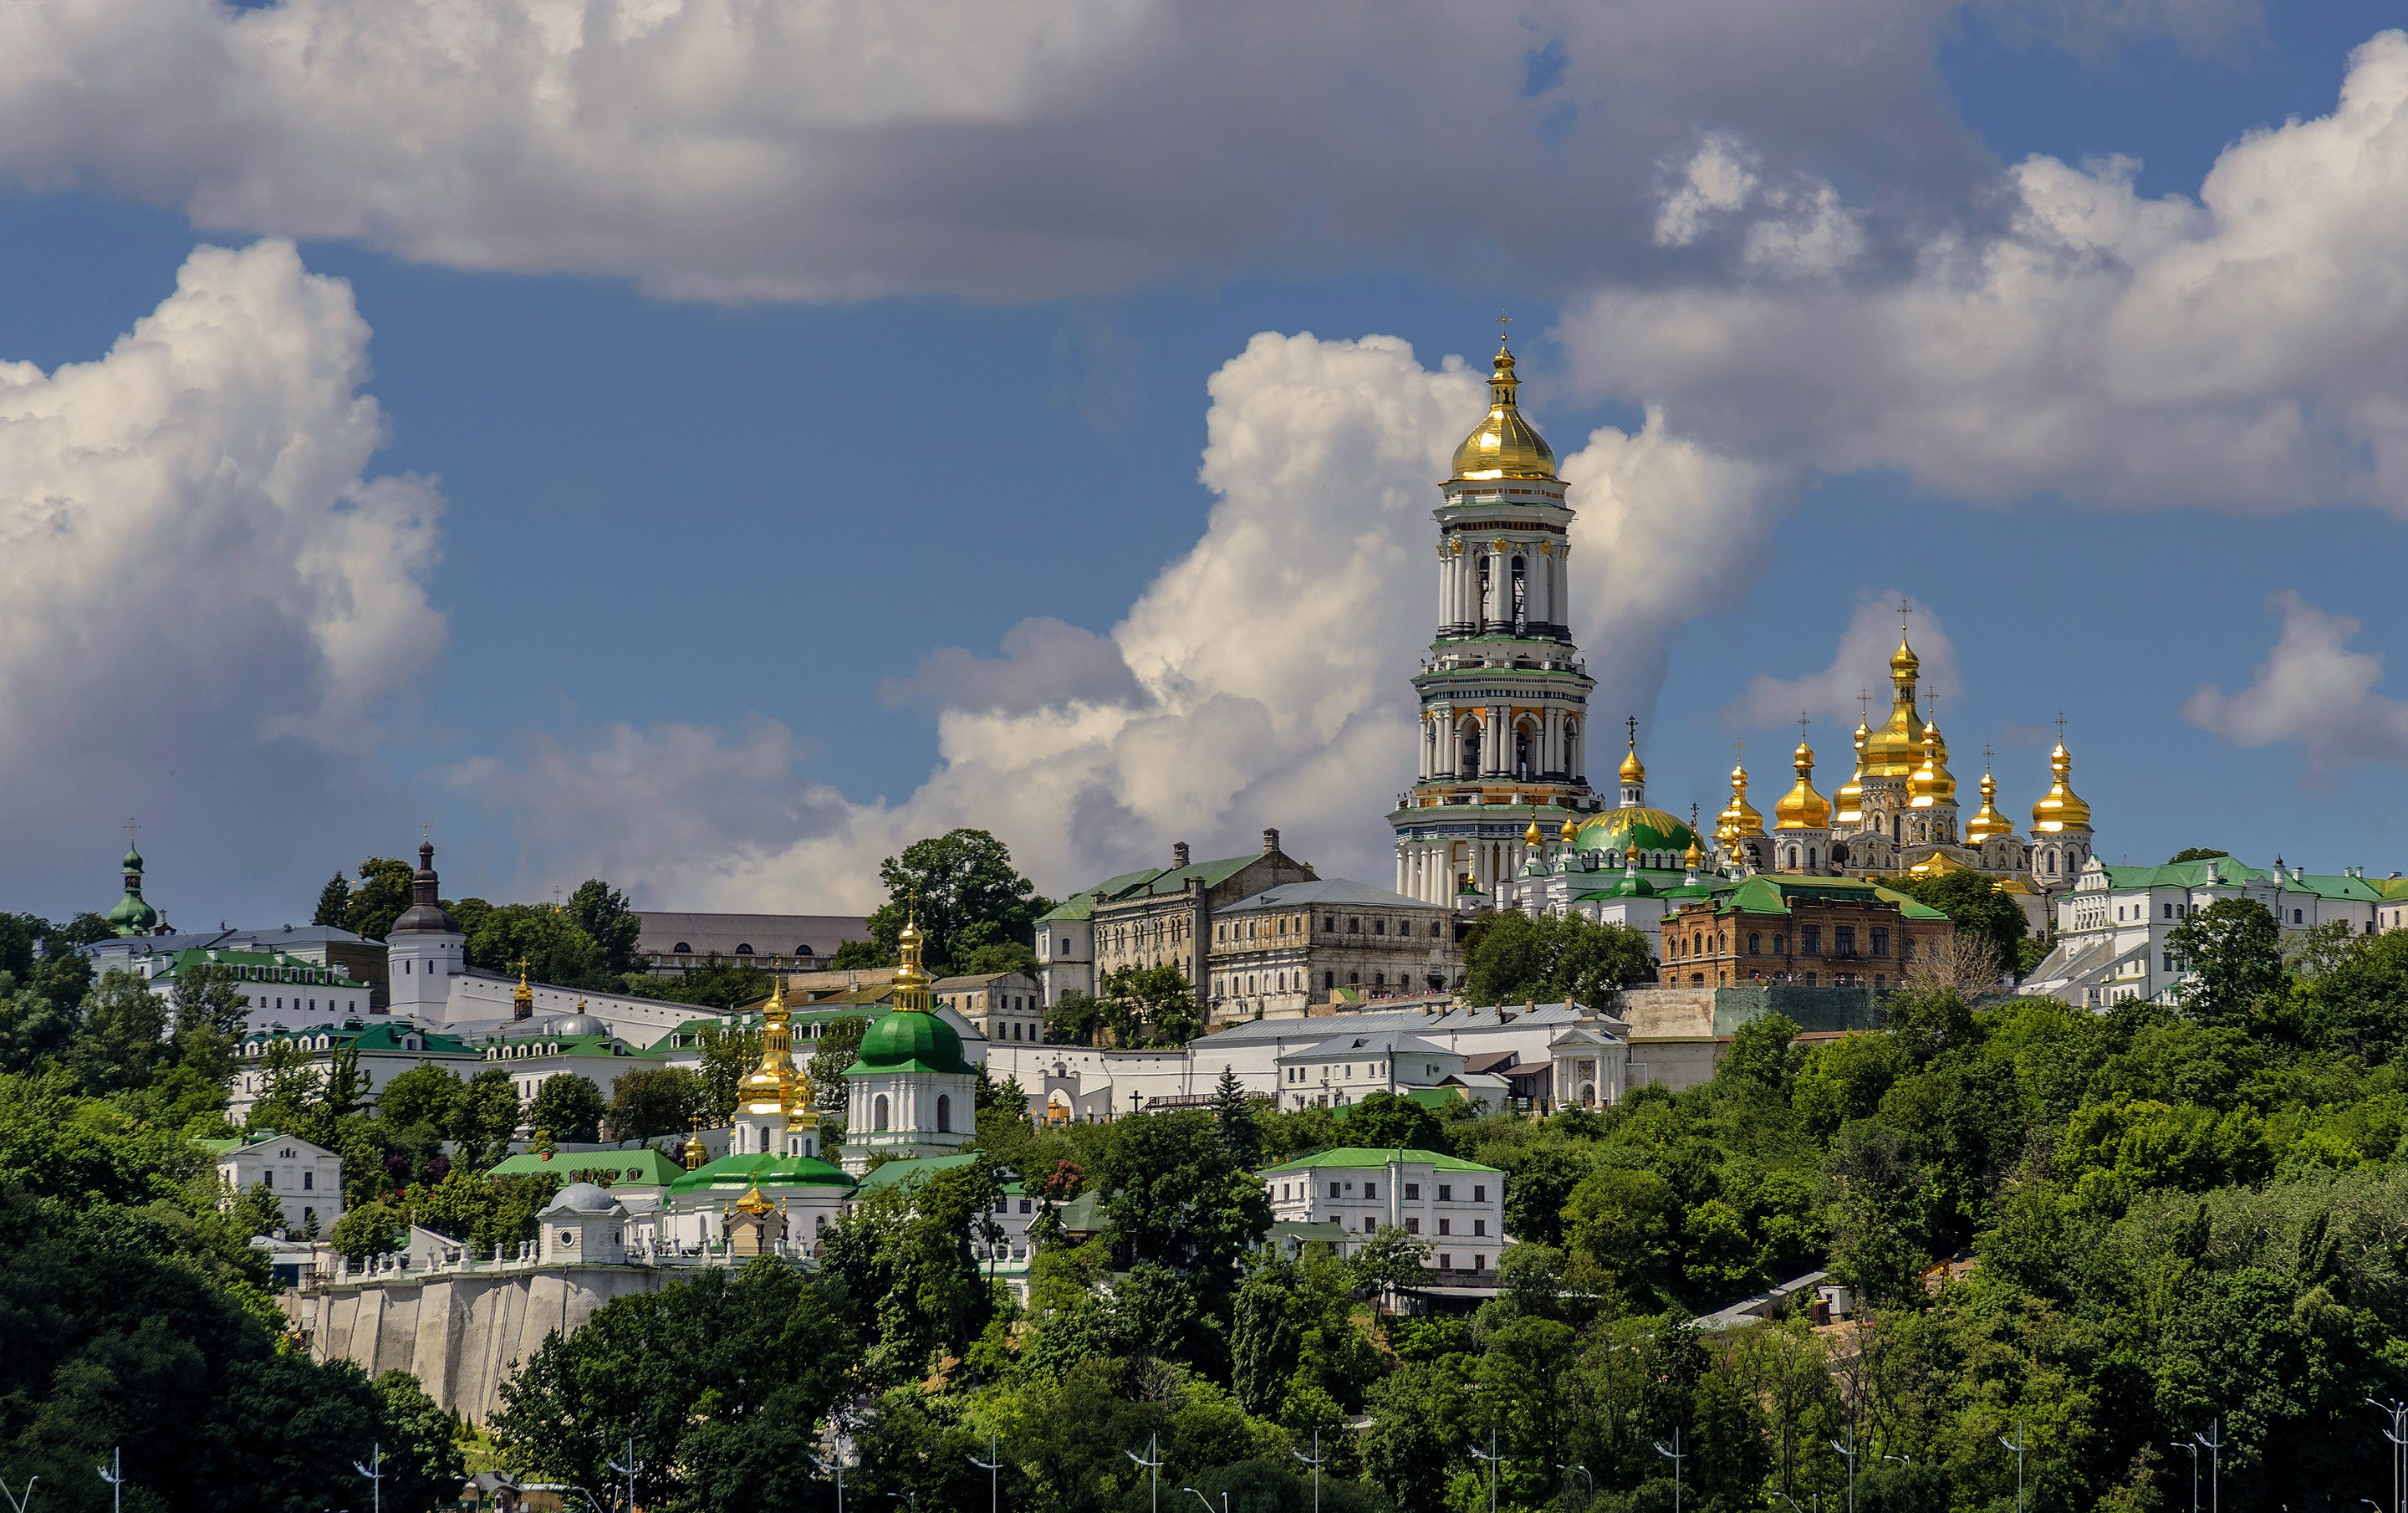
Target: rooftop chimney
(1179, 853)
(1270, 842)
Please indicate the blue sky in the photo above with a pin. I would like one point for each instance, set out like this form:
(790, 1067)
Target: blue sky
(672, 499)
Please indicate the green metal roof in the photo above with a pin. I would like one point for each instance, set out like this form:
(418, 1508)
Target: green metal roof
(1363, 1157)
(912, 1170)
(734, 1173)
(909, 1041)
(262, 966)
(1763, 895)
(2232, 873)
(1081, 904)
(638, 1168)
(385, 1036)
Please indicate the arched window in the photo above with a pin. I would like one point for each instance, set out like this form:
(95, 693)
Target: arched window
(681, 948)
(945, 1113)
(878, 1116)
(1328, 980)
(744, 949)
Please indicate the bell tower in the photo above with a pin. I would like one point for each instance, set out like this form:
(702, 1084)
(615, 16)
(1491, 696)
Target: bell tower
(1503, 692)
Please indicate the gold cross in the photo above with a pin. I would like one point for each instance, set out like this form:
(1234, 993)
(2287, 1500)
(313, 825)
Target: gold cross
(1504, 326)
(1905, 608)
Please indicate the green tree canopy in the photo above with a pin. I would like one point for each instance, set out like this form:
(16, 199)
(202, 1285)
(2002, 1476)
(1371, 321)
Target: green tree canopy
(2234, 950)
(651, 1102)
(383, 892)
(1975, 904)
(2195, 854)
(1510, 958)
(567, 1107)
(968, 896)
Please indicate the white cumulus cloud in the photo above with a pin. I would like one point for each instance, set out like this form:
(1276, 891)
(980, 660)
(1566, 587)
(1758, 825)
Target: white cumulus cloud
(1859, 666)
(2314, 690)
(993, 149)
(205, 594)
(1261, 680)
(2238, 351)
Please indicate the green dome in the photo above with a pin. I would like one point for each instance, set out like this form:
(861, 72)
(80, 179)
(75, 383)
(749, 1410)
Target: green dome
(132, 915)
(1636, 828)
(910, 1039)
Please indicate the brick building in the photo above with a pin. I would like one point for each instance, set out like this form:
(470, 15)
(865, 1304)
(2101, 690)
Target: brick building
(1818, 931)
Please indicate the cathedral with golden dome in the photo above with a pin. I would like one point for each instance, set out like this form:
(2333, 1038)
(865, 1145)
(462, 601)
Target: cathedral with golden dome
(1899, 813)
(1501, 813)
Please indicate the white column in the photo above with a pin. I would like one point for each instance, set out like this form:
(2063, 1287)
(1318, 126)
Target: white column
(1543, 580)
(1562, 592)
(1400, 868)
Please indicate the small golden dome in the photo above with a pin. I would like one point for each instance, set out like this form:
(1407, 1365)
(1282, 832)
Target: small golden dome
(695, 1154)
(1633, 770)
(1531, 836)
(1504, 445)
(1896, 750)
(1569, 831)
(770, 1087)
(1693, 859)
(1903, 663)
(1740, 820)
(1932, 782)
(2061, 810)
(1987, 821)
(1801, 808)
(1848, 803)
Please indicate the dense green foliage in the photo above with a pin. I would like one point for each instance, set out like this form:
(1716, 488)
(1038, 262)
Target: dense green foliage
(966, 896)
(1510, 958)
(1978, 907)
(137, 1319)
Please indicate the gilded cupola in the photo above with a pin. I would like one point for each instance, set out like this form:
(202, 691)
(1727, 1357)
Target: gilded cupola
(769, 1087)
(1739, 821)
(1801, 808)
(1848, 803)
(1504, 445)
(1932, 782)
(1633, 770)
(2060, 810)
(1987, 821)
(1896, 750)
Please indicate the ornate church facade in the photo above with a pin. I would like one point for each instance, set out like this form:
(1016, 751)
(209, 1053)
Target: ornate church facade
(1501, 813)
(1504, 696)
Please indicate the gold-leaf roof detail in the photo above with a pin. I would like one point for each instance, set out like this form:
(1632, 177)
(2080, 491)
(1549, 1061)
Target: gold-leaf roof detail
(1504, 445)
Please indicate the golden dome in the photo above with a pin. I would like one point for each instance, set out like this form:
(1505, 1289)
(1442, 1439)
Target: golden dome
(769, 1087)
(1932, 782)
(2060, 810)
(1987, 821)
(1531, 836)
(910, 979)
(1801, 808)
(1848, 803)
(1693, 859)
(695, 1154)
(1740, 820)
(1569, 831)
(1633, 770)
(1504, 445)
(1896, 750)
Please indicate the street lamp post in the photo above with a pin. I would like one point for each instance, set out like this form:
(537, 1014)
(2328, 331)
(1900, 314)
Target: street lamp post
(1849, 1449)
(1568, 1471)
(2193, 1448)
(1207, 1502)
(833, 1466)
(113, 1474)
(2018, 1445)
(991, 1466)
(1314, 1461)
(15, 1501)
(2212, 1442)
(374, 1471)
(1151, 1461)
(1676, 1455)
(2397, 1435)
(1491, 1459)
(627, 1471)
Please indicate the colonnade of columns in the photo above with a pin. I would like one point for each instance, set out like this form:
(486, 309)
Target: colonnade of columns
(1555, 741)
(1475, 581)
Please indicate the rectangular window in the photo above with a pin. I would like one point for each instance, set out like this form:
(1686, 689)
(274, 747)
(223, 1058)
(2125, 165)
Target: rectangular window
(1844, 940)
(1776, 945)
(1445, 1226)
(1479, 1192)
(1445, 1262)
(308, 1181)
(267, 1179)
(1412, 1191)
(1810, 939)
(1027, 1205)
(1412, 1225)
(1371, 1225)
(1333, 1189)
(1479, 1226)
(1003, 1205)
(1445, 1193)
(1371, 1190)
(1881, 941)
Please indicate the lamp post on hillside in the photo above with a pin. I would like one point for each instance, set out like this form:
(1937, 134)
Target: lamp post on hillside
(1151, 1461)
(2397, 1435)
(1676, 1455)
(1314, 1461)
(15, 1500)
(991, 1466)
(2018, 1445)
(374, 1471)
(113, 1474)
(2212, 1442)
(2193, 1448)
(1491, 1458)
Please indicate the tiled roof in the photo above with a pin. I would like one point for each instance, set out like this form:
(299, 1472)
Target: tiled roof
(1353, 1157)
(643, 1168)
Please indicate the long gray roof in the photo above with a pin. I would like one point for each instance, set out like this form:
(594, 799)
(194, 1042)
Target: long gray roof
(766, 934)
(1372, 1021)
(1332, 890)
(1377, 1043)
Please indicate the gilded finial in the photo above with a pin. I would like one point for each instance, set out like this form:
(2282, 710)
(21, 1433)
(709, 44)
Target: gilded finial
(1531, 836)
(695, 1154)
